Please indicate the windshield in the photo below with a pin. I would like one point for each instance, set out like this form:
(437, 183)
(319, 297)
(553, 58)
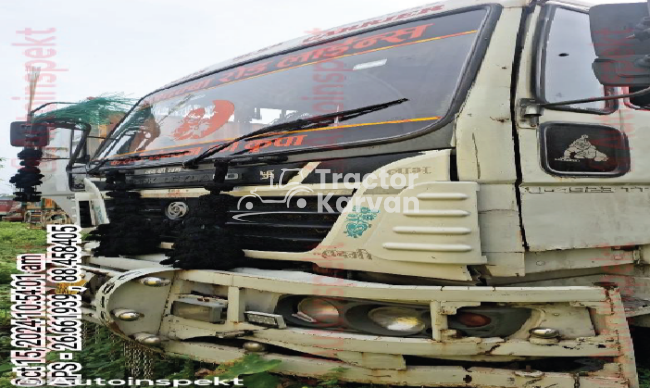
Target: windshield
(422, 61)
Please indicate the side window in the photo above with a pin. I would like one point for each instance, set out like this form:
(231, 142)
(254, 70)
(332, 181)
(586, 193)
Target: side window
(564, 66)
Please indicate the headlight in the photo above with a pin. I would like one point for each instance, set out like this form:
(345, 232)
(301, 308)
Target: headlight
(489, 321)
(316, 310)
(473, 320)
(397, 319)
(352, 315)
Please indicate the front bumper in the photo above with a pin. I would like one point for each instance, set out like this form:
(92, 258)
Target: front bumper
(425, 376)
(371, 358)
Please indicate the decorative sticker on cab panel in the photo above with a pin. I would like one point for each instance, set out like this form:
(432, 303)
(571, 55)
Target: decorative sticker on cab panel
(584, 150)
(359, 221)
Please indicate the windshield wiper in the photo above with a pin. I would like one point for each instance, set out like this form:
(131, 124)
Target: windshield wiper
(303, 124)
(133, 158)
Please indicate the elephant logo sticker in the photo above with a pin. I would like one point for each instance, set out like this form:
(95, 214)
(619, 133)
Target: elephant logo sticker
(582, 149)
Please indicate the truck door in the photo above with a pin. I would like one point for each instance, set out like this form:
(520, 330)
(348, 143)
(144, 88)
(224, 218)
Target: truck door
(583, 180)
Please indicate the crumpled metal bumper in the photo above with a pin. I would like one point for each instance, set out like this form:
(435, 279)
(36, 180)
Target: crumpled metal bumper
(371, 358)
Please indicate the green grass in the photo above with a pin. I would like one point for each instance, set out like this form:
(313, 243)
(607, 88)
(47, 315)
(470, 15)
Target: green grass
(15, 239)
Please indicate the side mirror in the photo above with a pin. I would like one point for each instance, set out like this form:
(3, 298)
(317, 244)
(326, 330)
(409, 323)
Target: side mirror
(621, 37)
(20, 131)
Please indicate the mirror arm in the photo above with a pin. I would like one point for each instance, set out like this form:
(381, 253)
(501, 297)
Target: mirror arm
(595, 99)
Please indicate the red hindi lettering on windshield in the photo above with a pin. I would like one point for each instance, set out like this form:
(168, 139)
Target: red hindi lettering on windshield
(200, 122)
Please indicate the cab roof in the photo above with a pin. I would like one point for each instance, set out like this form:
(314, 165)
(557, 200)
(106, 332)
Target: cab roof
(363, 25)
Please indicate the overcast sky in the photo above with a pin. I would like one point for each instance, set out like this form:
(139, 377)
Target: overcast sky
(136, 46)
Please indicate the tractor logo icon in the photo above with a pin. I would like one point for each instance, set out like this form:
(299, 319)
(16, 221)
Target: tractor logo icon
(293, 188)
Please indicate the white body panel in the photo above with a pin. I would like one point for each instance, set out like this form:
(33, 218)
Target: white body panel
(503, 230)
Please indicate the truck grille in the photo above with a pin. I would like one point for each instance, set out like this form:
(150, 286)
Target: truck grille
(271, 225)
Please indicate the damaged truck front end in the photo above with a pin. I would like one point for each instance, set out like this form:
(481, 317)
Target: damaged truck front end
(379, 333)
(350, 200)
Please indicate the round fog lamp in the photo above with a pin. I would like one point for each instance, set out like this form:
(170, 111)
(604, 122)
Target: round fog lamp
(545, 332)
(397, 319)
(126, 315)
(153, 281)
(254, 347)
(148, 339)
(319, 310)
